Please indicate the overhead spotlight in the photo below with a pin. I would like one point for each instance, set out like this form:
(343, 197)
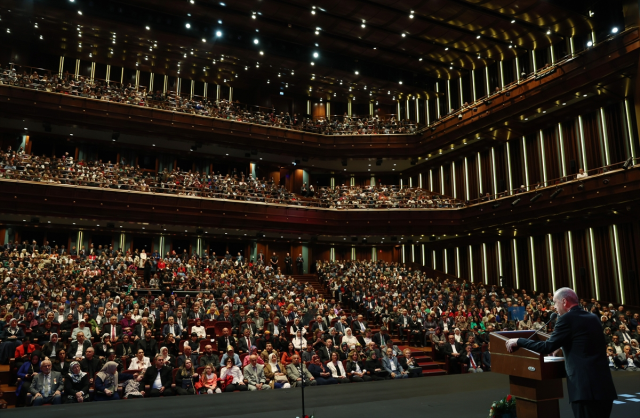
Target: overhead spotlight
(478, 37)
(488, 102)
(255, 41)
(460, 116)
(515, 202)
(115, 136)
(536, 197)
(548, 31)
(614, 30)
(508, 93)
(218, 34)
(315, 55)
(556, 192)
(188, 25)
(628, 163)
(513, 21)
(605, 181)
(590, 43)
(193, 148)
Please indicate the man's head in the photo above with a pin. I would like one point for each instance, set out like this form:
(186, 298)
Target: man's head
(615, 339)
(389, 352)
(225, 332)
(158, 361)
(45, 366)
(80, 337)
(565, 299)
(208, 349)
(295, 359)
(253, 359)
(89, 353)
(147, 334)
(452, 339)
(186, 350)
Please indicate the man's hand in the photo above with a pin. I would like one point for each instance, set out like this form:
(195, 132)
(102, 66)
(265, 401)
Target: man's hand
(511, 344)
(57, 393)
(393, 375)
(38, 395)
(259, 386)
(161, 389)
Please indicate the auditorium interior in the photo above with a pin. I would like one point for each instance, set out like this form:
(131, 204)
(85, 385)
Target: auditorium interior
(183, 160)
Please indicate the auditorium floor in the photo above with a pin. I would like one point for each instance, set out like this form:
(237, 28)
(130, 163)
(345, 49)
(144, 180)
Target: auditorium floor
(467, 396)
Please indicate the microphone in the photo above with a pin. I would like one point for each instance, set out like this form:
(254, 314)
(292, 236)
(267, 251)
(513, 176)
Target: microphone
(552, 318)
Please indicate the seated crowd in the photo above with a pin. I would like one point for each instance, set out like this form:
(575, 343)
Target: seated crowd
(79, 322)
(117, 92)
(457, 317)
(17, 165)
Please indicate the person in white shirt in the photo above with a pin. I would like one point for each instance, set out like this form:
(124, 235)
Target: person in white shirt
(299, 342)
(139, 362)
(581, 174)
(199, 329)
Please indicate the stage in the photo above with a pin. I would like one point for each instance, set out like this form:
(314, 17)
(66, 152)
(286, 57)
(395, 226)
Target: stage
(465, 396)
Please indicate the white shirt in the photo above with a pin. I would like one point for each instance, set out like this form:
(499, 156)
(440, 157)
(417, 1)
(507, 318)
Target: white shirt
(137, 364)
(275, 330)
(46, 385)
(392, 364)
(79, 352)
(157, 384)
(453, 347)
(583, 175)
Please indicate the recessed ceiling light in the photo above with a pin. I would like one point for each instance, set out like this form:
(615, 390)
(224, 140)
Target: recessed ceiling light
(147, 27)
(315, 55)
(404, 34)
(188, 25)
(590, 43)
(513, 21)
(614, 30)
(255, 41)
(478, 37)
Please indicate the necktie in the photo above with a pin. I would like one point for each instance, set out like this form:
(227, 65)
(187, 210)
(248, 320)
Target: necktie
(47, 385)
(248, 344)
(473, 363)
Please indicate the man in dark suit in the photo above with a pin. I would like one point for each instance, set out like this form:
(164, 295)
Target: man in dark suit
(171, 328)
(90, 364)
(148, 345)
(246, 341)
(381, 337)
(157, 379)
(579, 334)
(275, 328)
(455, 351)
(113, 330)
(226, 340)
(325, 351)
(358, 326)
(79, 347)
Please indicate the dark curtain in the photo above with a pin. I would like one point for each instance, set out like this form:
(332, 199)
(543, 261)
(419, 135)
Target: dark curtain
(593, 141)
(571, 146)
(486, 172)
(607, 280)
(532, 157)
(552, 154)
(543, 276)
(628, 242)
(472, 171)
(501, 168)
(616, 132)
(517, 166)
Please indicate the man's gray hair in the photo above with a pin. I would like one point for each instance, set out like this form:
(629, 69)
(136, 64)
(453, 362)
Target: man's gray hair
(568, 294)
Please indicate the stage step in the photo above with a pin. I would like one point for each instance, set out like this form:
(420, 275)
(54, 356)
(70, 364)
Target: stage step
(9, 394)
(434, 372)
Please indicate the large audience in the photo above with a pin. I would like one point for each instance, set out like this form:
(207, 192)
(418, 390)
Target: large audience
(117, 92)
(18, 165)
(107, 324)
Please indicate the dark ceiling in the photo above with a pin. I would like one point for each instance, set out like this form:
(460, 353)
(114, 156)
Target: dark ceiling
(442, 39)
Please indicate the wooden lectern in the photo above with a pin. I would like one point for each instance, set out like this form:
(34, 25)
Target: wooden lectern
(535, 380)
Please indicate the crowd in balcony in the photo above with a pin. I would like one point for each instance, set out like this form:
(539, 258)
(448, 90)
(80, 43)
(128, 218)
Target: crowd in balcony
(18, 165)
(117, 92)
(457, 317)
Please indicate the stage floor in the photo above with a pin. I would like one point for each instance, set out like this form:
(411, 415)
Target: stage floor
(467, 396)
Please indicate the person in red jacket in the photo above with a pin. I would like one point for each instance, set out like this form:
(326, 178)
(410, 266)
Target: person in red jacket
(23, 351)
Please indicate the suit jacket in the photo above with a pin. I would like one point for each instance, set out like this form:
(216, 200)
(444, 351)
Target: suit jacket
(254, 377)
(355, 327)
(270, 328)
(150, 347)
(386, 364)
(377, 338)
(106, 329)
(242, 343)
(176, 327)
(580, 336)
(73, 348)
(324, 353)
(222, 343)
(476, 358)
(334, 370)
(293, 373)
(166, 376)
(447, 349)
(91, 367)
(138, 331)
(37, 385)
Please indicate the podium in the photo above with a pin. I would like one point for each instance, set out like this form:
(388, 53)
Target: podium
(535, 380)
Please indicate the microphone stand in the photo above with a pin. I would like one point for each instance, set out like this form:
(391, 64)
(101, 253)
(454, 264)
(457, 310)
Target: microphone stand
(552, 318)
(302, 377)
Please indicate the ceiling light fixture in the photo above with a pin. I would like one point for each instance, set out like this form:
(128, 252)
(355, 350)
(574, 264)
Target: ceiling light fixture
(218, 34)
(315, 55)
(255, 41)
(614, 30)
(148, 28)
(188, 25)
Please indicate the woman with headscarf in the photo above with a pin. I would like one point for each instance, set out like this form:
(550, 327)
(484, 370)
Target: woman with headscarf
(209, 382)
(299, 342)
(168, 360)
(276, 373)
(374, 368)
(343, 350)
(11, 338)
(320, 372)
(25, 374)
(105, 345)
(252, 350)
(53, 346)
(106, 382)
(76, 385)
(186, 379)
(349, 338)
